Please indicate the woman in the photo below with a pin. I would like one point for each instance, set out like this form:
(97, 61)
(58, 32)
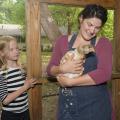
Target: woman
(85, 97)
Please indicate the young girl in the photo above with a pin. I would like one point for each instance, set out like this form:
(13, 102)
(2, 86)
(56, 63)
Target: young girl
(13, 83)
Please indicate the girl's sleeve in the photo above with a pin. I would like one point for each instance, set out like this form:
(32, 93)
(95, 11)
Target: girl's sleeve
(104, 67)
(56, 56)
(3, 89)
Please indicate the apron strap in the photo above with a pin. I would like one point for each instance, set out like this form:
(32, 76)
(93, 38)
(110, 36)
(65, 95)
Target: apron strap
(72, 40)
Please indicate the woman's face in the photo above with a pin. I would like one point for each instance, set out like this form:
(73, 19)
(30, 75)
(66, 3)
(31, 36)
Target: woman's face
(89, 27)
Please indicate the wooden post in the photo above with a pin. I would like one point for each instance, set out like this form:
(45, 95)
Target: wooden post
(116, 68)
(34, 55)
(117, 37)
(116, 97)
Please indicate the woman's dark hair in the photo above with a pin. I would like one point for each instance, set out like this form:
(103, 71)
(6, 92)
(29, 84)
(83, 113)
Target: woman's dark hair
(93, 10)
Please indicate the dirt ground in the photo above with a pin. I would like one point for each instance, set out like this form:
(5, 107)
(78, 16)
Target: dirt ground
(50, 98)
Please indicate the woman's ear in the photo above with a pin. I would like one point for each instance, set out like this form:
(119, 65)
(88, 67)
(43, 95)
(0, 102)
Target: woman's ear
(81, 19)
(1, 54)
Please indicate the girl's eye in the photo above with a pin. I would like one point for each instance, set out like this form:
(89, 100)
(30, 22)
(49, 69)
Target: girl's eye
(17, 48)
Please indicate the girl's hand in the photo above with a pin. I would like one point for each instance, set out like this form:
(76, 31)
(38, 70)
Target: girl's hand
(64, 81)
(30, 83)
(72, 66)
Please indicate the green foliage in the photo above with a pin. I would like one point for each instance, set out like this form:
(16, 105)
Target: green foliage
(63, 14)
(19, 13)
(13, 12)
(108, 29)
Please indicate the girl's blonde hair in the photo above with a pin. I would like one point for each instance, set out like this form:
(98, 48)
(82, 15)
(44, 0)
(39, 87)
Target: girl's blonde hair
(4, 41)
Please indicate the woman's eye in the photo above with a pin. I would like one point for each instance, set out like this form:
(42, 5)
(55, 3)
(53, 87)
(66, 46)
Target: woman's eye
(89, 24)
(17, 48)
(98, 28)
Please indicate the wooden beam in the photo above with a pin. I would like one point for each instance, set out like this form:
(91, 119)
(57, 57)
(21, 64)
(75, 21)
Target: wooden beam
(116, 53)
(117, 37)
(115, 75)
(34, 56)
(116, 97)
(105, 3)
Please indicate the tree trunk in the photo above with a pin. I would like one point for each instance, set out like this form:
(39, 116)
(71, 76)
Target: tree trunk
(48, 24)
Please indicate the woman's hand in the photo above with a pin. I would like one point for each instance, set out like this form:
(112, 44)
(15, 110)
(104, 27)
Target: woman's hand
(64, 81)
(72, 66)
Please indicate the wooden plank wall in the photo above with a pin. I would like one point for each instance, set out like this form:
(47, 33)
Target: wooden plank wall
(116, 61)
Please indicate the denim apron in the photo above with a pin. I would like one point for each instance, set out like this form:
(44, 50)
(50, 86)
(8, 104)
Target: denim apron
(85, 102)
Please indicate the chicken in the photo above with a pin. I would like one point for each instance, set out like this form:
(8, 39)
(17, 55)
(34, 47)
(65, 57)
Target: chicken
(78, 54)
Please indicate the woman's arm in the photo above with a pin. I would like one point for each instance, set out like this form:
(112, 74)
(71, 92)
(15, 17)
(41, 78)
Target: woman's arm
(54, 68)
(70, 66)
(80, 81)
(104, 68)
(12, 96)
(98, 76)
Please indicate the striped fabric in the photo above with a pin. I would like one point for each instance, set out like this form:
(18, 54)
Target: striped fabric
(15, 78)
(3, 88)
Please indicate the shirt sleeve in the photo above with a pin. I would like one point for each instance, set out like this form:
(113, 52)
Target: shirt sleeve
(104, 67)
(56, 55)
(3, 88)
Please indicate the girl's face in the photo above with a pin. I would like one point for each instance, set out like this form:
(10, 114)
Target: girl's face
(89, 27)
(12, 51)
